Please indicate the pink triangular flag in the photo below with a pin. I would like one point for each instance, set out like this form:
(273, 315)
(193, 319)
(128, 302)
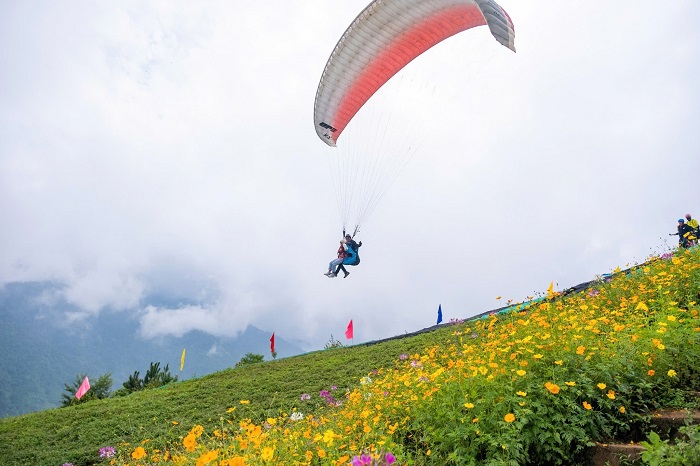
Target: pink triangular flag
(349, 331)
(84, 387)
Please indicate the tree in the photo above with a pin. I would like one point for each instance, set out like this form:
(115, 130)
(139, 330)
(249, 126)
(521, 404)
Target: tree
(155, 377)
(250, 358)
(99, 389)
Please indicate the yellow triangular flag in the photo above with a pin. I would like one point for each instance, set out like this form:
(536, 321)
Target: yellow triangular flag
(182, 360)
(550, 290)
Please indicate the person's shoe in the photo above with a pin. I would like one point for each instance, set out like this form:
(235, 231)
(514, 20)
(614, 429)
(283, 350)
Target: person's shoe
(332, 275)
(346, 274)
(328, 274)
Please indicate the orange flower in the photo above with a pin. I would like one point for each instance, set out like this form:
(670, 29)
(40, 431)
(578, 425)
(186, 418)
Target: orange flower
(553, 388)
(138, 453)
(190, 442)
(587, 405)
(207, 458)
(651, 372)
(510, 417)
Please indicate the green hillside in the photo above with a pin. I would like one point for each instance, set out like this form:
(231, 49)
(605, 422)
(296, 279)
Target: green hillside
(532, 386)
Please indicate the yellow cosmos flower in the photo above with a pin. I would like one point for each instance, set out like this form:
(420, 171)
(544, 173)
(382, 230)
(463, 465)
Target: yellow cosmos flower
(580, 350)
(469, 405)
(521, 393)
(138, 453)
(623, 410)
(602, 386)
(520, 372)
(641, 307)
(587, 405)
(510, 417)
(537, 356)
(611, 394)
(558, 362)
(328, 437)
(245, 402)
(671, 373)
(672, 318)
(268, 453)
(321, 453)
(309, 455)
(570, 384)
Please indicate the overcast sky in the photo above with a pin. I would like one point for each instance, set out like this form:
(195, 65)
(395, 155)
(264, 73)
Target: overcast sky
(168, 148)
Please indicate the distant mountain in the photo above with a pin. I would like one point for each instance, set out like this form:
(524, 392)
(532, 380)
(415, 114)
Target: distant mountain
(40, 351)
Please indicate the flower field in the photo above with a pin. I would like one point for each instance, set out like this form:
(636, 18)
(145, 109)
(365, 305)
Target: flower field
(530, 387)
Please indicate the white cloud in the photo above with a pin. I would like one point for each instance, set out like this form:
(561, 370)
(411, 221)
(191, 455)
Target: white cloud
(166, 150)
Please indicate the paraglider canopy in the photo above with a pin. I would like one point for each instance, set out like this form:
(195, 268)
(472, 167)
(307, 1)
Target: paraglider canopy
(384, 38)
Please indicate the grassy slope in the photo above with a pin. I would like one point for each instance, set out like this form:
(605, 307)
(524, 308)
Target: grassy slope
(74, 434)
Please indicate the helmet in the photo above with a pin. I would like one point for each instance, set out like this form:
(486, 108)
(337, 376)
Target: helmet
(680, 220)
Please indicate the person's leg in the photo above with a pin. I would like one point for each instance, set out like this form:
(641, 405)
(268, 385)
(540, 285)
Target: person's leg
(341, 267)
(333, 264)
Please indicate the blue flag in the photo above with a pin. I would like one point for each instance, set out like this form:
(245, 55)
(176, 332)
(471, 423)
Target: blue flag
(439, 313)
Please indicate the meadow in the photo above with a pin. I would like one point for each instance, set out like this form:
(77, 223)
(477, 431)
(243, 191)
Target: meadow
(532, 386)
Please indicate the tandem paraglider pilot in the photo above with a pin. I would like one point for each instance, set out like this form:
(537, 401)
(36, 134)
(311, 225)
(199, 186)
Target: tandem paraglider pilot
(348, 254)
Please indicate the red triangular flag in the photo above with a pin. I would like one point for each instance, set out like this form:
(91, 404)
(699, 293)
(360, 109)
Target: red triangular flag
(84, 387)
(348, 332)
(272, 343)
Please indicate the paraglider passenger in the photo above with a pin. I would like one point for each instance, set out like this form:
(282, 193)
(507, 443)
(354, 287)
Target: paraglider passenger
(342, 253)
(351, 258)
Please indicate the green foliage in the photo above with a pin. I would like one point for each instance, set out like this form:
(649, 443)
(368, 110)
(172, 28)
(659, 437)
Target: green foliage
(685, 452)
(250, 358)
(333, 343)
(99, 389)
(155, 377)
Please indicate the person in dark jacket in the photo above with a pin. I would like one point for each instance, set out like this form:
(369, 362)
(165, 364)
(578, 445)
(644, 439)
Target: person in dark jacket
(686, 234)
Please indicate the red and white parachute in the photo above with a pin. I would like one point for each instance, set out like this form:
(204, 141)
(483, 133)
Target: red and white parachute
(385, 37)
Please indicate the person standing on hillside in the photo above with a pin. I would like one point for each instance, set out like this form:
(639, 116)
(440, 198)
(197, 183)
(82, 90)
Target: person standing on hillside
(692, 223)
(686, 235)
